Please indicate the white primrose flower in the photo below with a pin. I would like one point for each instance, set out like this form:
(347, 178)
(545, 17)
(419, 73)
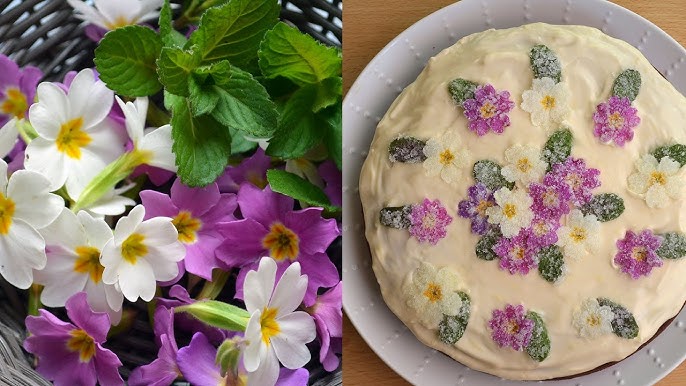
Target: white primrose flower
(593, 320)
(154, 145)
(112, 203)
(141, 253)
(275, 331)
(26, 205)
(445, 157)
(513, 211)
(75, 142)
(524, 164)
(433, 293)
(546, 102)
(657, 183)
(109, 14)
(8, 137)
(580, 235)
(73, 244)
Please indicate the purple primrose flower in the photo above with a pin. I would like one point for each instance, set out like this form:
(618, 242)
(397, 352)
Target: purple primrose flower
(488, 110)
(637, 253)
(511, 328)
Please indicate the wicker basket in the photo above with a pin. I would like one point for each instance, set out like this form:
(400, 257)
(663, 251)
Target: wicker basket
(44, 33)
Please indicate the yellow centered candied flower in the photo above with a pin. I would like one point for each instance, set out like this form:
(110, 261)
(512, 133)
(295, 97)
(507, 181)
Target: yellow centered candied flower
(6, 214)
(82, 343)
(578, 234)
(433, 292)
(524, 165)
(615, 120)
(509, 210)
(88, 261)
(133, 248)
(72, 138)
(281, 242)
(187, 226)
(446, 157)
(268, 324)
(488, 110)
(15, 104)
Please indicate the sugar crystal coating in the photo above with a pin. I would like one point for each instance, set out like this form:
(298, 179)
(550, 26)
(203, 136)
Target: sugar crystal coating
(623, 325)
(452, 327)
(545, 63)
(407, 149)
(539, 346)
(627, 84)
(461, 90)
(673, 246)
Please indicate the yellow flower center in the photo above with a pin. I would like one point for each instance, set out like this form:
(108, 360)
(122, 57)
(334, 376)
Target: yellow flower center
(483, 205)
(593, 320)
(6, 213)
(512, 327)
(88, 261)
(573, 180)
(429, 221)
(658, 178)
(548, 102)
(488, 110)
(509, 210)
(133, 248)
(72, 138)
(15, 104)
(446, 157)
(550, 199)
(524, 165)
(639, 254)
(518, 253)
(82, 343)
(281, 242)
(433, 292)
(187, 226)
(540, 228)
(268, 324)
(120, 21)
(615, 120)
(578, 234)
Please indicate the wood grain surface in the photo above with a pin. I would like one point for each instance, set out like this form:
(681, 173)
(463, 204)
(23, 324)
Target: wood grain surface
(369, 26)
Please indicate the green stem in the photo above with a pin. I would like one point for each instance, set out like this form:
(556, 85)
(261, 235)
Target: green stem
(26, 131)
(34, 299)
(157, 117)
(211, 289)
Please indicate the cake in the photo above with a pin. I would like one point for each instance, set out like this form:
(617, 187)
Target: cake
(523, 202)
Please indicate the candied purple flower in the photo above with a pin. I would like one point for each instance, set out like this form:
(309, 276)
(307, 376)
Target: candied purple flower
(615, 120)
(474, 207)
(270, 227)
(428, 221)
(510, 327)
(334, 181)
(517, 254)
(574, 177)
(542, 232)
(328, 317)
(637, 253)
(252, 169)
(163, 370)
(72, 354)
(488, 110)
(196, 213)
(550, 200)
(17, 89)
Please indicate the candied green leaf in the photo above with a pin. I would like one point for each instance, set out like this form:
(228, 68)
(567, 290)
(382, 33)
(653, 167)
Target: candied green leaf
(397, 217)
(545, 63)
(299, 188)
(461, 90)
(125, 60)
(673, 246)
(627, 85)
(539, 345)
(407, 149)
(488, 173)
(484, 247)
(328, 93)
(217, 314)
(233, 31)
(201, 144)
(605, 206)
(287, 52)
(333, 139)
(170, 37)
(452, 327)
(551, 263)
(174, 68)
(558, 147)
(676, 152)
(299, 129)
(623, 324)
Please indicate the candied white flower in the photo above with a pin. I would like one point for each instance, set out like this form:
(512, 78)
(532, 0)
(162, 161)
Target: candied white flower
(141, 253)
(546, 102)
(656, 182)
(433, 293)
(276, 332)
(513, 211)
(593, 320)
(580, 235)
(111, 15)
(446, 157)
(75, 141)
(73, 243)
(524, 164)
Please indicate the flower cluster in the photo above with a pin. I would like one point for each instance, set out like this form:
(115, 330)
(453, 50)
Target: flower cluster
(488, 110)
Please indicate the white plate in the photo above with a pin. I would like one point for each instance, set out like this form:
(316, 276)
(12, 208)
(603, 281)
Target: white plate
(395, 67)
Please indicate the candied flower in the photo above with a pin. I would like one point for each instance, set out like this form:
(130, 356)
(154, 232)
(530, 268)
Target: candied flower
(328, 317)
(656, 182)
(511, 328)
(72, 354)
(546, 102)
(110, 15)
(446, 157)
(513, 211)
(433, 293)
(17, 89)
(252, 169)
(580, 235)
(550, 200)
(542, 232)
(576, 178)
(474, 207)
(164, 369)
(593, 320)
(428, 221)
(524, 164)
(488, 110)
(615, 120)
(636, 253)
(517, 254)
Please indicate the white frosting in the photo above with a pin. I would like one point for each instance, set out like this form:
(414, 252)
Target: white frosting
(591, 61)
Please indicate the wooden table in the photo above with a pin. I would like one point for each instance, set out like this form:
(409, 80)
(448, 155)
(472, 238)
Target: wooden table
(369, 26)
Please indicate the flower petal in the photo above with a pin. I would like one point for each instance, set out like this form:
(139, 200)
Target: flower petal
(258, 285)
(289, 292)
(22, 250)
(96, 324)
(51, 111)
(135, 126)
(296, 330)
(57, 292)
(253, 336)
(315, 232)
(242, 243)
(159, 142)
(127, 225)
(107, 367)
(197, 362)
(42, 156)
(158, 231)
(196, 200)
(8, 137)
(87, 13)
(89, 98)
(268, 372)
(157, 204)
(263, 206)
(33, 204)
(137, 281)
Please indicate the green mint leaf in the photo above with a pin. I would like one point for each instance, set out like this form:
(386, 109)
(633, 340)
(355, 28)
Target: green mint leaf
(623, 324)
(233, 31)
(461, 90)
(201, 144)
(452, 327)
(239, 144)
(551, 263)
(204, 96)
(539, 345)
(328, 93)
(484, 247)
(407, 150)
(125, 60)
(488, 173)
(174, 67)
(558, 147)
(300, 189)
(299, 129)
(606, 207)
(676, 152)
(170, 37)
(545, 63)
(627, 84)
(289, 53)
(397, 217)
(217, 314)
(673, 246)
(333, 121)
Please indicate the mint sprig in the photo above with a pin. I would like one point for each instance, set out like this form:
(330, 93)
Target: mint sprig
(294, 186)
